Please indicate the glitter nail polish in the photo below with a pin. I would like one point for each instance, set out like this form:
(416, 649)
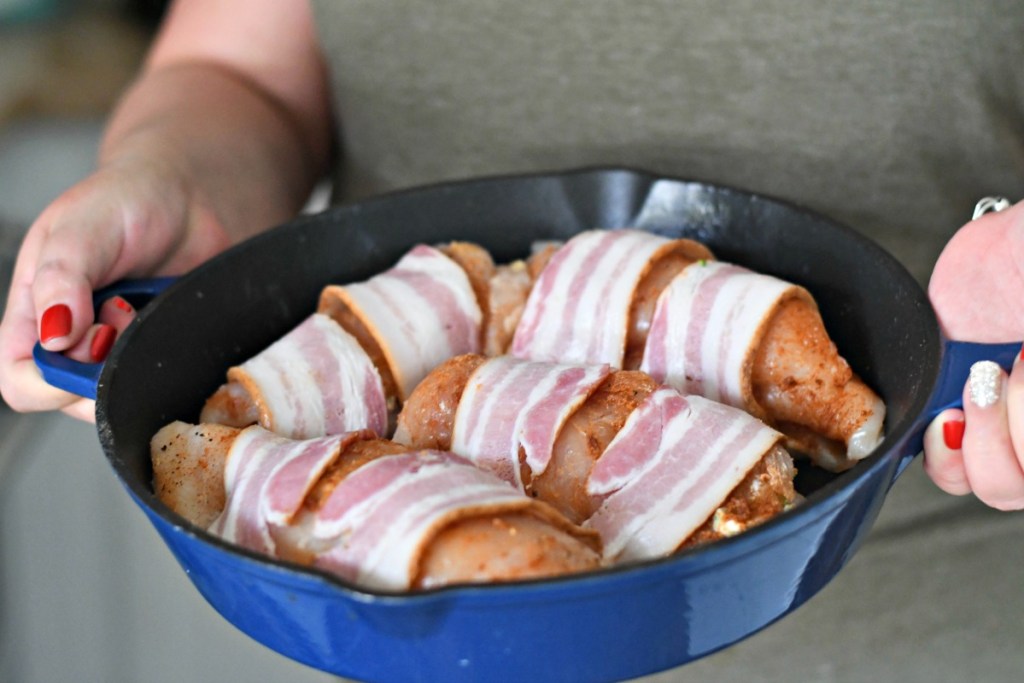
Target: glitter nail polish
(984, 383)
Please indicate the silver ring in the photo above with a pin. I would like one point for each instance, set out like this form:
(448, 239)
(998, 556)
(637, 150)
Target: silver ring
(990, 204)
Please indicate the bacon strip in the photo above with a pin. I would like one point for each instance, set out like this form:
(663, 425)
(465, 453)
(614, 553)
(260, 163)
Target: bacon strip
(421, 312)
(380, 518)
(314, 381)
(706, 328)
(511, 404)
(266, 480)
(672, 464)
(578, 310)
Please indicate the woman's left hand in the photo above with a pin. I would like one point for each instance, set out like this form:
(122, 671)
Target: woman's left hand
(976, 289)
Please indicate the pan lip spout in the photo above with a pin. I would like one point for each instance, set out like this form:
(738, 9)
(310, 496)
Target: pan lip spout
(843, 507)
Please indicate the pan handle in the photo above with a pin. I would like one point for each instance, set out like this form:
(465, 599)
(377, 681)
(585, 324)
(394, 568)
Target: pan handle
(82, 378)
(957, 359)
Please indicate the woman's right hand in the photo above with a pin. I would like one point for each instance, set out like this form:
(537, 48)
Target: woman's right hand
(131, 218)
(223, 135)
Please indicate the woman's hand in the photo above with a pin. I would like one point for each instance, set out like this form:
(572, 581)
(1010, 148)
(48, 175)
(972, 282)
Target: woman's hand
(127, 220)
(975, 289)
(224, 134)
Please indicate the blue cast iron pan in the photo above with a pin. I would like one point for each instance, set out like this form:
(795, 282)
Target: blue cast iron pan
(605, 626)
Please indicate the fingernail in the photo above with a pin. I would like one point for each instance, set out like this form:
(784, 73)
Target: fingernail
(55, 323)
(984, 382)
(121, 303)
(101, 342)
(953, 434)
(1021, 356)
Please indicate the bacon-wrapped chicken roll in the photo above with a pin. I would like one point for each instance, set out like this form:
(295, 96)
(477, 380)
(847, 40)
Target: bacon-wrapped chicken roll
(593, 300)
(757, 342)
(548, 428)
(315, 381)
(677, 459)
(411, 317)
(348, 366)
(369, 510)
(633, 299)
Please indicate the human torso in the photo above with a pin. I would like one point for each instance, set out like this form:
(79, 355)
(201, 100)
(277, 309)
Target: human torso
(893, 118)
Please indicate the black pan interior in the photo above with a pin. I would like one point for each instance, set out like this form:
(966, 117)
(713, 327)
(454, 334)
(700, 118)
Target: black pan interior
(226, 311)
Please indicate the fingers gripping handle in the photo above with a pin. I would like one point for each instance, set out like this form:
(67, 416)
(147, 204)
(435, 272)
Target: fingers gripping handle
(956, 366)
(82, 379)
(957, 359)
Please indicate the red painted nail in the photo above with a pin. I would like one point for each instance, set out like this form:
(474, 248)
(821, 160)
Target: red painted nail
(1022, 353)
(953, 434)
(55, 323)
(101, 342)
(121, 303)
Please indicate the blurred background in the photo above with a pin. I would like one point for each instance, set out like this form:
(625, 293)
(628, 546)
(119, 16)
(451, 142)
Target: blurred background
(88, 592)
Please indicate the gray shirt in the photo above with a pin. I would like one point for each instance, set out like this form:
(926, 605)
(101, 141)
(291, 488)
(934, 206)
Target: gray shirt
(892, 117)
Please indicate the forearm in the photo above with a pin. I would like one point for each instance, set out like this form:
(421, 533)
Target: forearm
(246, 159)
